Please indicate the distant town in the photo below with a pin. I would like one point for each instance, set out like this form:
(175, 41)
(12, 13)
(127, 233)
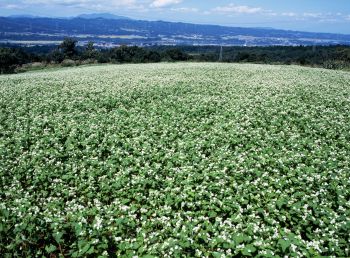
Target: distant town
(108, 31)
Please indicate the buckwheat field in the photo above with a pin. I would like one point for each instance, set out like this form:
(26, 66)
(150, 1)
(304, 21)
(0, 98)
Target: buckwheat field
(175, 160)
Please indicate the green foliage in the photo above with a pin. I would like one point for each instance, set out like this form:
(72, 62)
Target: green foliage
(56, 56)
(68, 63)
(175, 160)
(175, 54)
(68, 47)
(134, 54)
(11, 58)
(329, 57)
(90, 52)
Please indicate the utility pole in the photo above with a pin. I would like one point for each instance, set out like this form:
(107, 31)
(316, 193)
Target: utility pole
(220, 56)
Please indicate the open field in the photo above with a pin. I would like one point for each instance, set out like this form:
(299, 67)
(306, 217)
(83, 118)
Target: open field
(175, 160)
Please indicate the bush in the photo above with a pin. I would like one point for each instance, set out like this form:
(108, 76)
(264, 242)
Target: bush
(30, 66)
(102, 58)
(9, 60)
(175, 54)
(68, 63)
(88, 61)
(55, 56)
(335, 64)
(153, 57)
(37, 65)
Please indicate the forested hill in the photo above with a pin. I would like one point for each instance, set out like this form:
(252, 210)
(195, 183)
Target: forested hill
(138, 32)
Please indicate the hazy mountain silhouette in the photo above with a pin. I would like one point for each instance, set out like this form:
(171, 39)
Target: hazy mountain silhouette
(105, 28)
(103, 16)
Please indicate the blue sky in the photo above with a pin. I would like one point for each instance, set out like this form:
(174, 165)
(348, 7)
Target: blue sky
(305, 15)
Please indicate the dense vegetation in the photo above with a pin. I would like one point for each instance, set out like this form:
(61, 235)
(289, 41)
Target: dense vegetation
(175, 160)
(12, 58)
(68, 54)
(333, 57)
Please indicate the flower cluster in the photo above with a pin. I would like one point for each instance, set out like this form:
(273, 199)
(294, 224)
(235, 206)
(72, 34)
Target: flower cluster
(175, 160)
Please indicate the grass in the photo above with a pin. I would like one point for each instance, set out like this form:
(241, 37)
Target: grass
(175, 160)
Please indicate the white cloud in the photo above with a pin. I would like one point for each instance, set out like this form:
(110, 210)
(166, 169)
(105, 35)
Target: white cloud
(271, 13)
(328, 20)
(164, 3)
(11, 6)
(232, 8)
(328, 17)
(90, 4)
(313, 15)
(185, 10)
(289, 14)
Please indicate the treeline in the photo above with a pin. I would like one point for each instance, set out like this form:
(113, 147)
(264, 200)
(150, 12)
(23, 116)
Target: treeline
(68, 52)
(18, 59)
(330, 57)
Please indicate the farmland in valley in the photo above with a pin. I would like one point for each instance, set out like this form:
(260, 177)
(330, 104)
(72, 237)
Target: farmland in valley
(175, 160)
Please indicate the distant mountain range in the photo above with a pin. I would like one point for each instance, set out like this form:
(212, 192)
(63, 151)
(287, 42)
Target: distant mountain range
(23, 16)
(108, 16)
(109, 30)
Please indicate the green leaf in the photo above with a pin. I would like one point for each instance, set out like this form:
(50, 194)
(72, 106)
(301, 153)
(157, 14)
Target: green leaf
(50, 248)
(77, 229)
(91, 250)
(284, 244)
(85, 248)
(217, 254)
(58, 236)
(239, 239)
(248, 250)
(280, 202)
(212, 214)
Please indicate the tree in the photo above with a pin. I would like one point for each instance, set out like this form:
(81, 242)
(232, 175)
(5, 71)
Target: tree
(176, 54)
(55, 56)
(90, 46)
(7, 61)
(11, 58)
(90, 52)
(125, 54)
(153, 56)
(68, 47)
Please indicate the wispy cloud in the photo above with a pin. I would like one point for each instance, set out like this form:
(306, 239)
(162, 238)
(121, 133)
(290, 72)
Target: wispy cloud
(324, 17)
(327, 17)
(328, 20)
(89, 4)
(289, 14)
(11, 6)
(164, 3)
(185, 10)
(314, 15)
(240, 9)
